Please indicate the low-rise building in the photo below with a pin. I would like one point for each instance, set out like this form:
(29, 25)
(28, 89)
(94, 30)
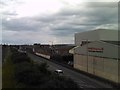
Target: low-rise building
(97, 53)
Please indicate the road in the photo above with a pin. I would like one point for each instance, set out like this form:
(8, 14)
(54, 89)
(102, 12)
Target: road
(82, 80)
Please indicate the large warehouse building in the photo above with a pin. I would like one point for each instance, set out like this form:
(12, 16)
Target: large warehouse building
(96, 52)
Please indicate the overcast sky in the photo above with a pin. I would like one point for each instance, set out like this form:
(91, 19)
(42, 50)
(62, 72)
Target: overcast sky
(47, 21)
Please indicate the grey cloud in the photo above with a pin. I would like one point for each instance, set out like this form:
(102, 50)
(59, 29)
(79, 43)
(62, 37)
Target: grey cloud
(54, 18)
(67, 21)
(7, 13)
(69, 31)
(22, 24)
(2, 3)
(101, 4)
(9, 2)
(16, 41)
(46, 18)
(94, 17)
(93, 14)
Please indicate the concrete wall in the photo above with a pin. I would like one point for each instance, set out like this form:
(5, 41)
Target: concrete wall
(102, 67)
(109, 50)
(111, 35)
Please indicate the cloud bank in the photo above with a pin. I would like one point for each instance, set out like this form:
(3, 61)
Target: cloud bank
(57, 25)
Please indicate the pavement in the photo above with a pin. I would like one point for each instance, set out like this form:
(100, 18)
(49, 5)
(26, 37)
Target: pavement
(82, 80)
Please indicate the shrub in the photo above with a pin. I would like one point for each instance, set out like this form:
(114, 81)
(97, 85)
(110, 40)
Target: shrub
(27, 74)
(30, 75)
(18, 57)
(43, 67)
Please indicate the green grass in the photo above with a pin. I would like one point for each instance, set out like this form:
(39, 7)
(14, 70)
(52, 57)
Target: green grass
(8, 73)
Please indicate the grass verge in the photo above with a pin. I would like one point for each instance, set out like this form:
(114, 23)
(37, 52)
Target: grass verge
(8, 73)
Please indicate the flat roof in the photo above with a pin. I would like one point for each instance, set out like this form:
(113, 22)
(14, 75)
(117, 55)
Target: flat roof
(97, 35)
(113, 42)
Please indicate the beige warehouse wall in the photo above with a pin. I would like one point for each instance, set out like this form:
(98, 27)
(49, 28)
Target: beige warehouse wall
(90, 65)
(80, 62)
(109, 50)
(119, 71)
(111, 69)
(98, 65)
(102, 67)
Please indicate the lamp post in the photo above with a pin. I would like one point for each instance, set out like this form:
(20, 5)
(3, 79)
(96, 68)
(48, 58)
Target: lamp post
(87, 55)
(51, 47)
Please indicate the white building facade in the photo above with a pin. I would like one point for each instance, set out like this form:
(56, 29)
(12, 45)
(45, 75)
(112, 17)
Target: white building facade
(96, 52)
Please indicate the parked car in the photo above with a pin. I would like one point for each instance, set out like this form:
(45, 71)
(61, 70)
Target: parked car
(58, 71)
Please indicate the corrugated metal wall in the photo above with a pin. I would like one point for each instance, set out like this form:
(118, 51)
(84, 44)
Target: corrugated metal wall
(102, 67)
(103, 64)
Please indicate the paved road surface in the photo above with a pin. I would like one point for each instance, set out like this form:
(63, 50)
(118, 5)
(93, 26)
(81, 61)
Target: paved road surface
(82, 80)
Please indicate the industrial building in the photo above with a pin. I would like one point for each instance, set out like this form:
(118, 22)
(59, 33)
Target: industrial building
(96, 52)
